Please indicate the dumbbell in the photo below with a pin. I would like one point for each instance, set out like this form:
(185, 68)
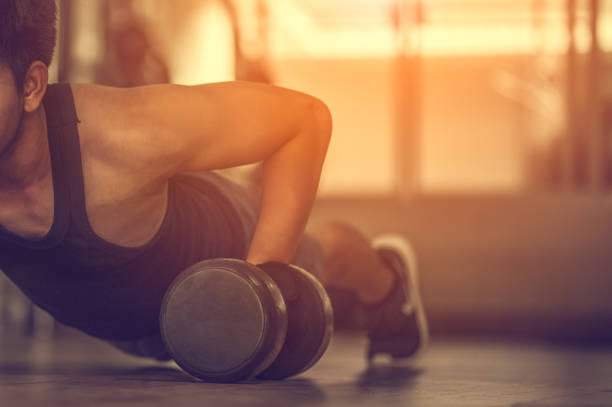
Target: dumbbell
(226, 320)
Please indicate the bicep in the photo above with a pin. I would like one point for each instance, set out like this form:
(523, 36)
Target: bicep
(225, 124)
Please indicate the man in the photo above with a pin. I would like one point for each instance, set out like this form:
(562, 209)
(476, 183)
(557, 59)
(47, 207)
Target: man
(107, 194)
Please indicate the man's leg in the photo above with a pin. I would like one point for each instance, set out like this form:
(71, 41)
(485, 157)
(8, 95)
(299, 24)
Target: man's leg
(350, 263)
(373, 285)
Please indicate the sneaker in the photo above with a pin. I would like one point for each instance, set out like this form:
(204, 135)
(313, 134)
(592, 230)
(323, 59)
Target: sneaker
(400, 328)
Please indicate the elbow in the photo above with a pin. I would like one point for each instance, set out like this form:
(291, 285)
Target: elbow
(323, 121)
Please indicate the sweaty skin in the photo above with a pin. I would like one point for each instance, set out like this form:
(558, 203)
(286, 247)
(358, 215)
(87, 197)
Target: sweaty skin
(133, 140)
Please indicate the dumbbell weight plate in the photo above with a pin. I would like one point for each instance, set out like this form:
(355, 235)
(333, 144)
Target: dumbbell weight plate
(223, 320)
(310, 320)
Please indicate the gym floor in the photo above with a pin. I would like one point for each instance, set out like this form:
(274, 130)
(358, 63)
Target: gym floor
(80, 371)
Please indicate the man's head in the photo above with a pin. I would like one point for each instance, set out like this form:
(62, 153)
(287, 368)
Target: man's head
(27, 34)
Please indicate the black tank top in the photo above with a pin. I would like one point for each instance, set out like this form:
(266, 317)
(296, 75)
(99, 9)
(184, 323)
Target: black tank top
(105, 290)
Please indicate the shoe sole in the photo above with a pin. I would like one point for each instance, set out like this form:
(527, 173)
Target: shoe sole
(399, 244)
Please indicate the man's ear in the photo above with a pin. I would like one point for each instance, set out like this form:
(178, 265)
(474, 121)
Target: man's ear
(35, 86)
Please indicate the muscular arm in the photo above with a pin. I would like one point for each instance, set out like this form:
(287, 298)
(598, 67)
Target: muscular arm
(290, 182)
(175, 128)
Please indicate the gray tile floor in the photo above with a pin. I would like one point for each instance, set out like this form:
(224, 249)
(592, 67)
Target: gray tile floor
(452, 373)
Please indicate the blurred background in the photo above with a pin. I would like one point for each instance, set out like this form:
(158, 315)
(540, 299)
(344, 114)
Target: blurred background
(481, 129)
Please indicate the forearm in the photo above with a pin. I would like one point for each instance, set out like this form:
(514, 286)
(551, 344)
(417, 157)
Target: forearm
(290, 181)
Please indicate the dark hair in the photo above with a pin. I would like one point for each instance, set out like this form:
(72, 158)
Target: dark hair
(27, 34)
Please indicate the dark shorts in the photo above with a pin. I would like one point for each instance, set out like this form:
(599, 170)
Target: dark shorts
(246, 199)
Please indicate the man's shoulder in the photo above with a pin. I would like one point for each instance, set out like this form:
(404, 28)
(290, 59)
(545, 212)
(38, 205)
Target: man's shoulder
(95, 102)
(102, 113)
(109, 116)
(110, 108)
(122, 127)
(115, 141)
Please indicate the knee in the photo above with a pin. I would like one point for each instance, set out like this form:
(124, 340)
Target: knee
(339, 238)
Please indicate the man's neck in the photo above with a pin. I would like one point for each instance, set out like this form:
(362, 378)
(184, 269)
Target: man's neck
(27, 162)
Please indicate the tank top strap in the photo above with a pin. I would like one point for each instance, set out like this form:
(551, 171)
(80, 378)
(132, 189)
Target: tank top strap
(61, 123)
(65, 151)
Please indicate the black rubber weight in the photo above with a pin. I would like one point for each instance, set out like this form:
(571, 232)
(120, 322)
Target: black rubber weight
(310, 321)
(223, 320)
